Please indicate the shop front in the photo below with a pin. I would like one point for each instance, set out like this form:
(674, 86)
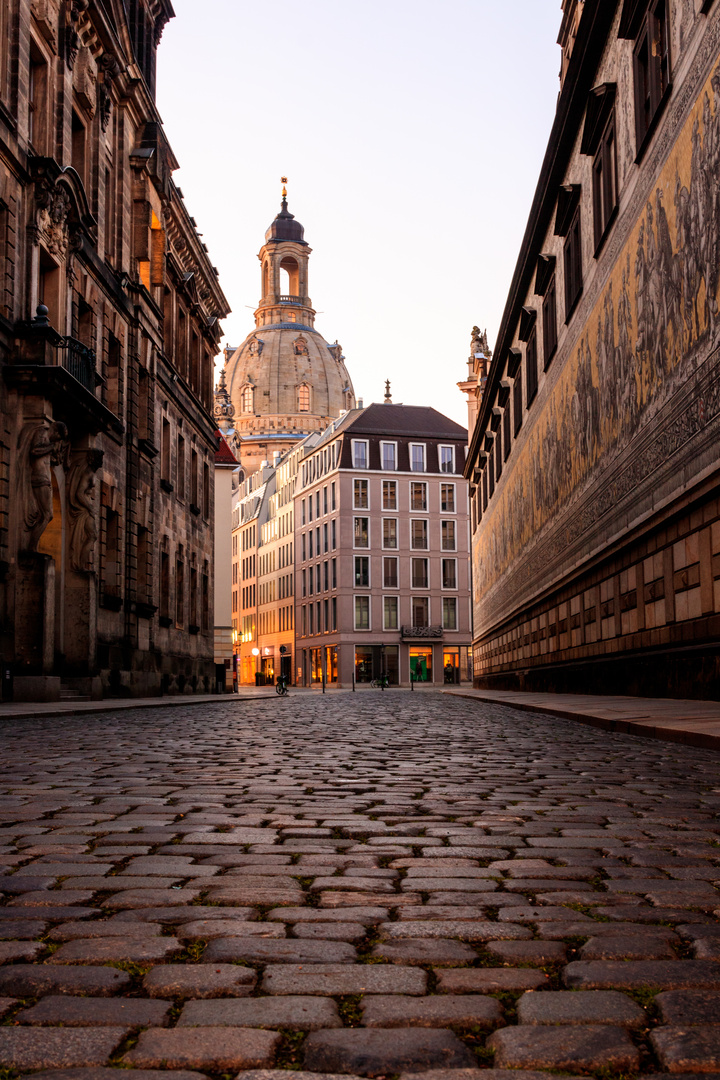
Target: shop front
(451, 666)
(421, 669)
(375, 661)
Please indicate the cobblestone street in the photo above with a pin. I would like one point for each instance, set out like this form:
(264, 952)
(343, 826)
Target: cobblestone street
(372, 884)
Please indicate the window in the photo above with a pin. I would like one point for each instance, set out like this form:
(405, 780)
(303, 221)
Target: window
(390, 572)
(420, 610)
(651, 68)
(419, 570)
(388, 451)
(37, 100)
(362, 538)
(332, 493)
(418, 495)
(179, 588)
(448, 536)
(310, 544)
(417, 457)
(246, 399)
(549, 324)
(181, 467)
(390, 533)
(449, 573)
(325, 538)
(362, 572)
(447, 498)
(359, 454)
(572, 256)
(303, 398)
(206, 491)
(302, 511)
(531, 369)
(326, 575)
(318, 573)
(507, 433)
(362, 612)
(333, 534)
(360, 494)
(311, 619)
(390, 613)
(517, 408)
(447, 458)
(497, 454)
(389, 491)
(449, 613)
(333, 610)
(334, 573)
(419, 535)
(604, 181)
(304, 584)
(325, 500)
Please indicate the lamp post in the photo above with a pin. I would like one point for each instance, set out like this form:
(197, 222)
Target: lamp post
(256, 653)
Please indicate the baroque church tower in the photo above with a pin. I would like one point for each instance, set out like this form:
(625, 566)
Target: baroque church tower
(284, 381)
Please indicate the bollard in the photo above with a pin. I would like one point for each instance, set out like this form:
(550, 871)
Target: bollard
(412, 681)
(353, 681)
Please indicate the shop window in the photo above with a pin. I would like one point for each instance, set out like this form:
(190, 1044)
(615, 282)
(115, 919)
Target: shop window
(421, 665)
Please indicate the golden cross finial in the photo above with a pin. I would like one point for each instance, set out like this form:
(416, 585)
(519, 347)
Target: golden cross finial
(283, 181)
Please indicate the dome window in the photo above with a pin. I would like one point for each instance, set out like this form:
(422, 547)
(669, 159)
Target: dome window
(247, 399)
(304, 398)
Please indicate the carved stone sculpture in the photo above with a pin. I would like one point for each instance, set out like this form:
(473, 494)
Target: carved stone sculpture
(81, 491)
(42, 446)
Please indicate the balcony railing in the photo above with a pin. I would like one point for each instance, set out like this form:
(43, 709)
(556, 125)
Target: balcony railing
(289, 300)
(421, 632)
(79, 360)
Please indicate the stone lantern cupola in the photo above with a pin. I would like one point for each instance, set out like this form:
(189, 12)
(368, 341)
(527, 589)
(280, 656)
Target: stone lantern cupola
(284, 259)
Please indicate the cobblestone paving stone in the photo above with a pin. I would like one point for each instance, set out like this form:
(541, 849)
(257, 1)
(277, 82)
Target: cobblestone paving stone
(358, 885)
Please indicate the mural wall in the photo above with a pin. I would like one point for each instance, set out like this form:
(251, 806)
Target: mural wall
(656, 321)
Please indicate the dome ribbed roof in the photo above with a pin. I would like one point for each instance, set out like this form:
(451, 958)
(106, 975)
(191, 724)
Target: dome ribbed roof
(285, 227)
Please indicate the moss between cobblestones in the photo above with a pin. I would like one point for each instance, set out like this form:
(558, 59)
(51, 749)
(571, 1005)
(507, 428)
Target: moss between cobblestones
(350, 1009)
(9, 1074)
(289, 1054)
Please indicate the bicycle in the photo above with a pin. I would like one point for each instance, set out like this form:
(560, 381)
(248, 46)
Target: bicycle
(382, 682)
(281, 685)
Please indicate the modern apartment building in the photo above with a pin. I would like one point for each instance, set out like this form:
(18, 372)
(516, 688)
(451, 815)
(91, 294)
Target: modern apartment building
(263, 545)
(382, 550)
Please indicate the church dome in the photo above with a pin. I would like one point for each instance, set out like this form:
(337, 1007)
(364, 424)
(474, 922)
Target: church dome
(285, 380)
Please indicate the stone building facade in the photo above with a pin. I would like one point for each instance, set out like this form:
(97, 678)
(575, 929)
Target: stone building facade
(284, 381)
(109, 323)
(382, 550)
(594, 463)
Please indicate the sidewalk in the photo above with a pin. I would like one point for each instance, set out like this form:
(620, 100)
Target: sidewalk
(694, 723)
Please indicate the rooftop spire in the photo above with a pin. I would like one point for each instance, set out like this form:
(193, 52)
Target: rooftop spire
(283, 181)
(388, 396)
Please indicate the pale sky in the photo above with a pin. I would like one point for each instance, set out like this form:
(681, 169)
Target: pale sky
(412, 134)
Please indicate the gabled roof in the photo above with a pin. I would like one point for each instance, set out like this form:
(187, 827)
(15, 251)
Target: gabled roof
(223, 454)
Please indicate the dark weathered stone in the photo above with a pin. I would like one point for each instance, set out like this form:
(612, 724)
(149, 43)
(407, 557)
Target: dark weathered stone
(145, 950)
(528, 952)
(57, 1048)
(588, 1047)
(450, 928)
(376, 1051)
(425, 951)
(300, 1013)
(33, 980)
(440, 1010)
(689, 1007)
(636, 974)
(199, 981)
(488, 980)
(688, 1049)
(96, 1012)
(268, 951)
(333, 979)
(210, 1048)
(589, 1007)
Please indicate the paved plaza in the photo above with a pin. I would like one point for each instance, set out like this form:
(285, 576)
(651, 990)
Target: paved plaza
(377, 884)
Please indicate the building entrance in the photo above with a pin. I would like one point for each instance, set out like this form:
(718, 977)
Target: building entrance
(421, 665)
(451, 666)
